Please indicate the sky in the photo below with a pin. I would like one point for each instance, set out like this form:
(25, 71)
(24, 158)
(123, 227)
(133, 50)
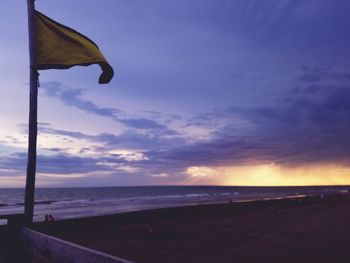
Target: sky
(230, 92)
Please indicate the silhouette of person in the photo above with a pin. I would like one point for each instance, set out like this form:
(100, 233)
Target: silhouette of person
(51, 218)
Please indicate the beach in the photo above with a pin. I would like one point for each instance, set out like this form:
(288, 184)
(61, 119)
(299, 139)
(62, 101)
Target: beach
(305, 229)
(69, 203)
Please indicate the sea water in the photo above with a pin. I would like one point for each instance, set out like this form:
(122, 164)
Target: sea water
(64, 203)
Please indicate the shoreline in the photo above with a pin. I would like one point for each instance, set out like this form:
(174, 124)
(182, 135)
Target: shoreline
(73, 202)
(182, 208)
(58, 216)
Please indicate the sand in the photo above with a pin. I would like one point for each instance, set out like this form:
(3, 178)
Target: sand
(312, 229)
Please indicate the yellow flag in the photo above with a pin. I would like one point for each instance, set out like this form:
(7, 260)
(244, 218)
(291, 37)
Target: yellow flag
(60, 47)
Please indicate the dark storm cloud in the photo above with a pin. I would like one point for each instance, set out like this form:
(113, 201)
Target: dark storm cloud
(128, 139)
(312, 125)
(72, 97)
(61, 163)
(67, 164)
(309, 124)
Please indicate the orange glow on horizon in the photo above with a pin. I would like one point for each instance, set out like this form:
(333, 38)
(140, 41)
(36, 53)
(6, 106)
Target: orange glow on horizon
(270, 175)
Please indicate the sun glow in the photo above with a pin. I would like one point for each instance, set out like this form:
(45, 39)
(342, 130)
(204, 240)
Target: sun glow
(271, 175)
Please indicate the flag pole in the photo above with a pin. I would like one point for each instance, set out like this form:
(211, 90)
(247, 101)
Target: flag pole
(33, 109)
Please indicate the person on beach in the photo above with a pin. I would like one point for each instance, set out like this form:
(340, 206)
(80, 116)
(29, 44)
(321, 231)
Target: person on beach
(46, 221)
(51, 218)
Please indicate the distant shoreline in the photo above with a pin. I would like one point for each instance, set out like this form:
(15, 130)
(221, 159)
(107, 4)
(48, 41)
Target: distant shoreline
(239, 203)
(68, 203)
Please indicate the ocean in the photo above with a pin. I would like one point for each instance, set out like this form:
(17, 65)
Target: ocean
(65, 203)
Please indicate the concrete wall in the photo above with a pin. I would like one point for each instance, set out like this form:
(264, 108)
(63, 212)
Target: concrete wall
(45, 248)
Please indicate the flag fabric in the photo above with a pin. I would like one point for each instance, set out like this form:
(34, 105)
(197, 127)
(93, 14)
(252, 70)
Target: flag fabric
(60, 47)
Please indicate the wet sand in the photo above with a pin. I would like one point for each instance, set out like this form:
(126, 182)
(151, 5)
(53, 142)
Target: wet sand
(2, 250)
(311, 229)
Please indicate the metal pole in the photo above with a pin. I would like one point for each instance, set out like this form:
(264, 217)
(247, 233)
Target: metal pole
(33, 108)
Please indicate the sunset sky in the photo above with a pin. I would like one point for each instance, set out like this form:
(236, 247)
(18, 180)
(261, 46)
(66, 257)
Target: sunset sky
(229, 92)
